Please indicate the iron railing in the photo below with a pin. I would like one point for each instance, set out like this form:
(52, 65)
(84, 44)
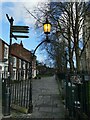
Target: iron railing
(78, 96)
(20, 95)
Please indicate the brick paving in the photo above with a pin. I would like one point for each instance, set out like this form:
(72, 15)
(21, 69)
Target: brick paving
(46, 100)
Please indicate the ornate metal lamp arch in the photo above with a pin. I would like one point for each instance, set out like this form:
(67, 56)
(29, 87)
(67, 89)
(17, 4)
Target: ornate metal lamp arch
(47, 29)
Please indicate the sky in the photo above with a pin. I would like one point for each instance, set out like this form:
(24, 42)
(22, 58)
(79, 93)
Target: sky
(16, 10)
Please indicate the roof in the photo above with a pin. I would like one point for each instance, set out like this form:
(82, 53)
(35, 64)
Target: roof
(19, 51)
(3, 41)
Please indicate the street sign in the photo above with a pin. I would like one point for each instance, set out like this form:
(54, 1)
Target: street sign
(20, 36)
(20, 29)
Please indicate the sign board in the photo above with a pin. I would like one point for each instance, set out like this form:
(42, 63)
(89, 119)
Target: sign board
(20, 29)
(20, 36)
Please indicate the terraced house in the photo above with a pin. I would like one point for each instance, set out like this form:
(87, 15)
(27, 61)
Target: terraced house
(4, 48)
(22, 62)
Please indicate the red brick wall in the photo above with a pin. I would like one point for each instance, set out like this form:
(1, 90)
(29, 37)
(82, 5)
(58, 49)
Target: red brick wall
(20, 52)
(2, 43)
(0, 50)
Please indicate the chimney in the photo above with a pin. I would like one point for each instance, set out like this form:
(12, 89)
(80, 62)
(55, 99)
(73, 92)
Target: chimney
(21, 44)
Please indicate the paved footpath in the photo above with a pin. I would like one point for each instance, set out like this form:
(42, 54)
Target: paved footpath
(46, 100)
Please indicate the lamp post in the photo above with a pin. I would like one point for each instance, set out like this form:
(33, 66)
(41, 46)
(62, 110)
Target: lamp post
(7, 89)
(13, 29)
(47, 29)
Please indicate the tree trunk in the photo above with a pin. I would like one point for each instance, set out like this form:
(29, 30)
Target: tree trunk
(70, 49)
(77, 39)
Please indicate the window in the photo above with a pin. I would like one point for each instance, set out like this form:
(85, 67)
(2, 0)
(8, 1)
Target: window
(5, 52)
(14, 75)
(5, 71)
(24, 74)
(14, 61)
(24, 64)
(19, 63)
(28, 65)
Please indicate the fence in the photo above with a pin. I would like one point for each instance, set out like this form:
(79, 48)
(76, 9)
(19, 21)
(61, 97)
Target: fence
(78, 96)
(0, 97)
(20, 95)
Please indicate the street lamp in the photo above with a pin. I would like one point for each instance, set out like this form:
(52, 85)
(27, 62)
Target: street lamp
(47, 28)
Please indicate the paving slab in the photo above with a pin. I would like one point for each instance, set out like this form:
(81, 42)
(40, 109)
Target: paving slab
(46, 100)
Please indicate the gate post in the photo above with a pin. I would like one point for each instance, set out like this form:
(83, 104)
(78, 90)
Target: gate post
(5, 97)
(30, 109)
(7, 101)
(7, 93)
(0, 96)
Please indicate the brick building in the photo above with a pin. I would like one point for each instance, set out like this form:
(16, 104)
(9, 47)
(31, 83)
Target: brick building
(3, 57)
(21, 61)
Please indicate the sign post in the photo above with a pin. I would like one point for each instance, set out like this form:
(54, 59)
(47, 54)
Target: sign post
(13, 29)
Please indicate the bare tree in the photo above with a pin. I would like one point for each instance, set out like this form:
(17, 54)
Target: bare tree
(67, 25)
(72, 16)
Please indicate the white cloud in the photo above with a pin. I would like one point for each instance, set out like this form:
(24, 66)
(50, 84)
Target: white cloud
(40, 58)
(17, 10)
(34, 1)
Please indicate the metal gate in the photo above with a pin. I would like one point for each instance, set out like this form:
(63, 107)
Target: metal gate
(19, 97)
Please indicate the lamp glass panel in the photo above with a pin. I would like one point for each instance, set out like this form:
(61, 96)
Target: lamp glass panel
(47, 27)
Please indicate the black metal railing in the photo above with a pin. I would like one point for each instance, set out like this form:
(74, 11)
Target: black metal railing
(76, 93)
(78, 96)
(20, 91)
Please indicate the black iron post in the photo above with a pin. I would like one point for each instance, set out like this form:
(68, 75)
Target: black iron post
(30, 109)
(7, 92)
(46, 40)
(47, 31)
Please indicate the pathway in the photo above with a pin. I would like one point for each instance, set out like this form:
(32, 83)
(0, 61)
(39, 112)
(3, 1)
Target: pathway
(46, 100)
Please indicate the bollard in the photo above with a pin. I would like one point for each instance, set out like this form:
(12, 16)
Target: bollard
(7, 102)
(30, 109)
